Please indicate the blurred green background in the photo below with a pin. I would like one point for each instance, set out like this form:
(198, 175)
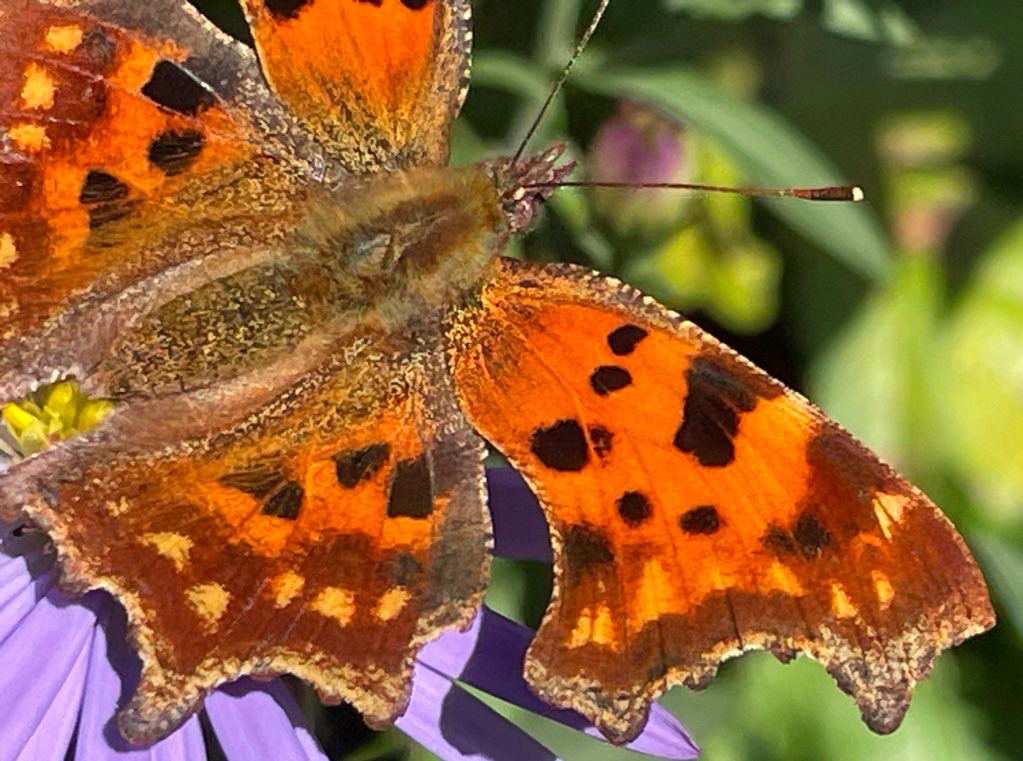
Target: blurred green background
(901, 316)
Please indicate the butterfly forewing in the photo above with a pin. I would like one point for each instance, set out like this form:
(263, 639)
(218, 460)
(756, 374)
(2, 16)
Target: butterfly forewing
(134, 137)
(699, 508)
(381, 98)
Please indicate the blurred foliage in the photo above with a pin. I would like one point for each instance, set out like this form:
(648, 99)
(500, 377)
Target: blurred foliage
(902, 316)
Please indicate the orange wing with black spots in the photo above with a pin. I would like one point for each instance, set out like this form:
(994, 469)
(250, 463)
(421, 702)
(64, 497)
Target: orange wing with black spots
(329, 535)
(378, 81)
(120, 125)
(699, 508)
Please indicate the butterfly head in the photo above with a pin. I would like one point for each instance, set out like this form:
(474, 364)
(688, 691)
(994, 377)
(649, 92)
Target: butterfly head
(524, 185)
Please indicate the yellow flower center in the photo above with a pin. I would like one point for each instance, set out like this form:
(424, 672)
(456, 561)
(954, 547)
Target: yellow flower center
(51, 414)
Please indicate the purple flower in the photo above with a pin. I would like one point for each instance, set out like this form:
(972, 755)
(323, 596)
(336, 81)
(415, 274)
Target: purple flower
(640, 146)
(67, 666)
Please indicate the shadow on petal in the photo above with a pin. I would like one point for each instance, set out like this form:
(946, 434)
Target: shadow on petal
(489, 656)
(113, 668)
(520, 529)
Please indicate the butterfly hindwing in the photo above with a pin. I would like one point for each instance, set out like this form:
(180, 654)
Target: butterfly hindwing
(328, 534)
(699, 508)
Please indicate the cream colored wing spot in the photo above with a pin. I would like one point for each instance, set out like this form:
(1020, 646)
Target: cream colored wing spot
(784, 579)
(30, 138)
(596, 628)
(888, 508)
(119, 508)
(841, 605)
(336, 603)
(583, 628)
(170, 545)
(391, 603)
(8, 250)
(647, 604)
(209, 601)
(7, 308)
(882, 588)
(37, 88)
(63, 39)
(285, 587)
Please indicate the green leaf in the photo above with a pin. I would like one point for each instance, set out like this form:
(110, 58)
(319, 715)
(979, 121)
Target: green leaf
(510, 72)
(767, 710)
(855, 19)
(847, 18)
(529, 81)
(768, 150)
(984, 380)
(1003, 567)
(557, 32)
(877, 377)
(735, 10)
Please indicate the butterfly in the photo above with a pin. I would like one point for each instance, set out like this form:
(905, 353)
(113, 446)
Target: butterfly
(307, 329)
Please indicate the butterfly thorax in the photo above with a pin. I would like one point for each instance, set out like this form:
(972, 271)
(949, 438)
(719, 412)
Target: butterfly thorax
(377, 256)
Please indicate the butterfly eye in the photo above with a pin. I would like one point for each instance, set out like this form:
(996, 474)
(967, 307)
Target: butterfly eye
(375, 251)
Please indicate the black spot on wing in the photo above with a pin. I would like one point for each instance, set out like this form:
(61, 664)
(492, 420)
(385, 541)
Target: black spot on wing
(285, 9)
(585, 548)
(411, 493)
(608, 378)
(622, 340)
(355, 465)
(100, 186)
(710, 417)
(285, 502)
(779, 541)
(700, 520)
(810, 535)
(173, 151)
(844, 479)
(97, 53)
(561, 446)
(633, 507)
(401, 569)
(415, 5)
(174, 88)
(601, 440)
(105, 196)
(104, 213)
(257, 480)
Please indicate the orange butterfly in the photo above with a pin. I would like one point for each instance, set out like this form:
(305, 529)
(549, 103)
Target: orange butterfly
(308, 330)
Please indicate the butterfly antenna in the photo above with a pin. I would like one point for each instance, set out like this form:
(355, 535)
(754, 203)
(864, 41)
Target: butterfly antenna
(828, 193)
(583, 42)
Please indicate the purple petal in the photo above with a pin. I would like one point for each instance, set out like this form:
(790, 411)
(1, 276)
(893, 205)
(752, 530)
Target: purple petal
(261, 720)
(496, 667)
(46, 661)
(25, 576)
(452, 723)
(18, 593)
(490, 656)
(112, 664)
(638, 146)
(520, 529)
